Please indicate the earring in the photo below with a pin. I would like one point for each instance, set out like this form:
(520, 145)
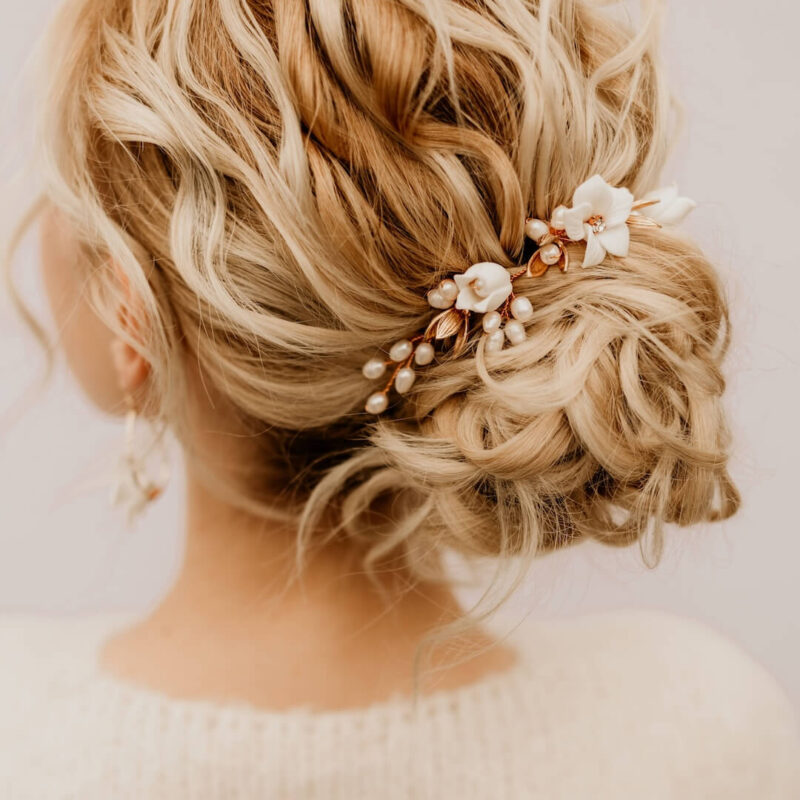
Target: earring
(134, 487)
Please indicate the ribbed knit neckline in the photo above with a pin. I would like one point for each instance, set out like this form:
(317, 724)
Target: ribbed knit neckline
(486, 690)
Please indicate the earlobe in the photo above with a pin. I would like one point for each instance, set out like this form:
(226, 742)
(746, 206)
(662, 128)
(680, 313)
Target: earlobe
(131, 368)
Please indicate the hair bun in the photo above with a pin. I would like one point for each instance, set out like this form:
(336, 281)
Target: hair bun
(606, 421)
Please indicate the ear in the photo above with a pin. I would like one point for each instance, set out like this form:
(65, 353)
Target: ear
(131, 368)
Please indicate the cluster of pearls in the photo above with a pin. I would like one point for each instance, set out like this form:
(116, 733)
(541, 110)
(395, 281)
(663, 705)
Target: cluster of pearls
(484, 286)
(402, 353)
(548, 235)
(539, 230)
(444, 295)
(487, 289)
(498, 328)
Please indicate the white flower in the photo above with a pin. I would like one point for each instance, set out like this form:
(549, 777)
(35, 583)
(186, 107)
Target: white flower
(599, 214)
(670, 209)
(483, 287)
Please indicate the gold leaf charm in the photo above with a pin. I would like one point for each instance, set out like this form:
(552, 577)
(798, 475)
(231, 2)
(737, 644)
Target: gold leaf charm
(445, 324)
(536, 267)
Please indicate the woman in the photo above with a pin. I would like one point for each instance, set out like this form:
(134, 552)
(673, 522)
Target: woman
(396, 277)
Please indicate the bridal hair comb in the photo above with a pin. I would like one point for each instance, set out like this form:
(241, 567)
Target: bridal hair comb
(601, 216)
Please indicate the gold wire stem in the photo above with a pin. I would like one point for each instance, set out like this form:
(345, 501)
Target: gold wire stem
(638, 206)
(388, 387)
(636, 221)
(519, 274)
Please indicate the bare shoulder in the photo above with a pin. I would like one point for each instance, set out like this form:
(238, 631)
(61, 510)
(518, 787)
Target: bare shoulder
(676, 695)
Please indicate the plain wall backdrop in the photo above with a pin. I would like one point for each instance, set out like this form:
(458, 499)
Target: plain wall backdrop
(735, 65)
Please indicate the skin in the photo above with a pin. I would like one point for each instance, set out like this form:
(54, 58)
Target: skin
(229, 629)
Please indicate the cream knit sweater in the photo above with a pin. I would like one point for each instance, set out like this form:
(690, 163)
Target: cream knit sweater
(633, 705)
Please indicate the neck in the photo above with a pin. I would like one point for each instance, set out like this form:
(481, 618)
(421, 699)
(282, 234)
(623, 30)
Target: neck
(235, 575)
(233, 626)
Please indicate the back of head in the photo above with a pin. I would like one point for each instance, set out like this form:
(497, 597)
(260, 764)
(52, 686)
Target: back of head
(282, 182)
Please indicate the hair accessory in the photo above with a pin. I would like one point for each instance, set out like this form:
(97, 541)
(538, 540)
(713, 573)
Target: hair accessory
(601, 216)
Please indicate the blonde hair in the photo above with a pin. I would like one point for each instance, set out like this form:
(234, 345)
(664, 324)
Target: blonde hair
(282, 181)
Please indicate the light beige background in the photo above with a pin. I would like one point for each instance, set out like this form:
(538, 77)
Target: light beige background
(735, 64)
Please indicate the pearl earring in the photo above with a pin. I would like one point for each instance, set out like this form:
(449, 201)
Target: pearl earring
(134, 488)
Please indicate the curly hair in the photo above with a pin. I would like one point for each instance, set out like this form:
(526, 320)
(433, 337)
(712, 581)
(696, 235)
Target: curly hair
(281, 182)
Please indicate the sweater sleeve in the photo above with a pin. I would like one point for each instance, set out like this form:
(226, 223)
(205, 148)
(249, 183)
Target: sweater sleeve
(758, 747)
(23, 661)
(740, 733)
(37, 656)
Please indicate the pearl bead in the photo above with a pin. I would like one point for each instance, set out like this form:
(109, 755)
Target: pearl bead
(557, 220)
(374, 368)
(438, 300)
(536, 229)
(424, 354)
(376, 403)
(401, 350)
(495, 341)
(521, 308)
(492, 321)
(448, 290)
(515, 331)
(404, 380)
(550, 254)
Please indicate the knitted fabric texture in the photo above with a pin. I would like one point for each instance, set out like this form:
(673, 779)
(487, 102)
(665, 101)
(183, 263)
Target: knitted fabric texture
(629, 705)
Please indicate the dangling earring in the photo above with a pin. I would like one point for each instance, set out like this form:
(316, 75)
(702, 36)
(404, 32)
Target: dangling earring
(134, 488)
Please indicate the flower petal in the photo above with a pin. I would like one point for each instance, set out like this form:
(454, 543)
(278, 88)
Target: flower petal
(574, 219)
(596, 193)
(462, 279)
(495, 280)
(665, 195)
(467, 299)
(595, 252)
(493, 301)
(616, 240)
(674, 212)
(620, 208)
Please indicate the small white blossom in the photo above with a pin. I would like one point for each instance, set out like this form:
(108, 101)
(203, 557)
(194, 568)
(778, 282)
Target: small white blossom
(599, 214)
(483, 287)
(670, 209)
